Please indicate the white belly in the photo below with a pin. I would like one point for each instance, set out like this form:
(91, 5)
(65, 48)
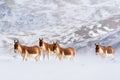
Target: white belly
(68, 56)
(32, 55)
(109, 55)
(29, 55)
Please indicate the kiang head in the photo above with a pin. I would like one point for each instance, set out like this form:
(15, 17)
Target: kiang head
(16, 45)
(55, 46)
(97, 48)
(41, 42)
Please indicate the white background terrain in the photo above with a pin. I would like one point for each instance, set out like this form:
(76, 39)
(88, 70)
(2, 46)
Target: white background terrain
(72, 23)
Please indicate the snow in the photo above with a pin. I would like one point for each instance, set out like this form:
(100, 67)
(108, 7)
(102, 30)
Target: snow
(92, 34)
(101, 31)
(79, 24)
(21, 1)
(108, 29)
(82, 67)
(46, 13)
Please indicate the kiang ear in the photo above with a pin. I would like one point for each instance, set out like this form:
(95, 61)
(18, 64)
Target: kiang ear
(56, 42)
(98, 43)
(95, 44)
(18, 41)
(39, 39)
(14, 41)
(53, 42)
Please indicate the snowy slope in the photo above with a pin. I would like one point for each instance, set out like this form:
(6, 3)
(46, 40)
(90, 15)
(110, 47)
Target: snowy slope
(32, 14)
(72, 23)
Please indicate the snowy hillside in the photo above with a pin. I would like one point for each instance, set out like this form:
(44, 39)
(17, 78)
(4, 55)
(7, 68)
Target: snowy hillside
(32, 14)
(65, 21)
(72, 23)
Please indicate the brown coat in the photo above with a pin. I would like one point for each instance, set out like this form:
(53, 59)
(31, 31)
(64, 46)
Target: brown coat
(64, 52)
(105, 50)
(28, 51)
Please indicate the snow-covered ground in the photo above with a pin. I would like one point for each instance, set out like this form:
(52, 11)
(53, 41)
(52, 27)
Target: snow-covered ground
(83, 67)
(72, 23)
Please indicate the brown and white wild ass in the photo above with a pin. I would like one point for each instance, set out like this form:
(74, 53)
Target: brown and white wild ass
(27, 51)
(106, 51)
(63, 52)
(46, 48)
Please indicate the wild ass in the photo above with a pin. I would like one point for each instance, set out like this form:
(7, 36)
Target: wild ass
(46, 48)
(106, 51)
(63, 52)
(27, 51)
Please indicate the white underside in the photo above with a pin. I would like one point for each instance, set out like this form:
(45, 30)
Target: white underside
(109, 55)
(105, 54)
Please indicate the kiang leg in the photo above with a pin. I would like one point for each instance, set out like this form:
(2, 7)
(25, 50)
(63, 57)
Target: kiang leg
(43, 55)
(60, 57)
(22, 54)
(57, 56)
(48, 54)
(37, 58)
(71, 58)
(43, 52)
(24, 57)
(104, 55)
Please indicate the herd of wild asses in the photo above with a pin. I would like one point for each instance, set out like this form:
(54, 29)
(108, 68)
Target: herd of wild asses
(47, 49)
